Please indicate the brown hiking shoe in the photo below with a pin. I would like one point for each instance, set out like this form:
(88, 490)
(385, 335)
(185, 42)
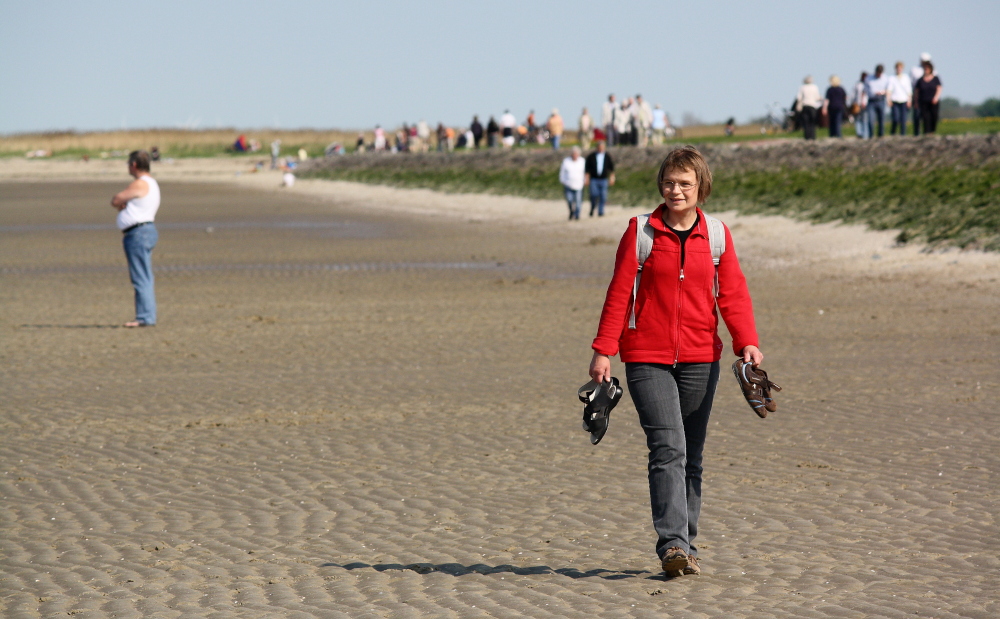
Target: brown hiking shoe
(692, 568)
(756, 387)
(674, 561)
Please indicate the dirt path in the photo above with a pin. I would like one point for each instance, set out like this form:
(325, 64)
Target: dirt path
(351, 410)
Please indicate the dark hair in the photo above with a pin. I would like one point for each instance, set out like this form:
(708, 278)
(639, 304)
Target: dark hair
(879, 69)
(140, 159)
(864, 74)
(929, 65)
(689, 159)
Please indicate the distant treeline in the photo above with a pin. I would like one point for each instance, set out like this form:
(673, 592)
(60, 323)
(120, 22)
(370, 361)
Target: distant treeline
(941, 190)
(953, 108)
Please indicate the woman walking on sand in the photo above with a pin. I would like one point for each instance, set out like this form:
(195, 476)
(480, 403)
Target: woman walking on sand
(672, 348)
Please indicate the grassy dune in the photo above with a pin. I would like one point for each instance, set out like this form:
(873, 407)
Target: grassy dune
(216, 142)
(940, 190)
(943, 206)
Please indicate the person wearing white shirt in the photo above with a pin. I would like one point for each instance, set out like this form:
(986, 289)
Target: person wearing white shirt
(900, 94)
(571, 175)
(645, 120)
(423, 137)
(623, 123)
(137, 205)
(659, 124)
(877, 86)
(807, 102)
(608, 120)
(583, 128)
(276, 152)
(916, 73)
(507, 125)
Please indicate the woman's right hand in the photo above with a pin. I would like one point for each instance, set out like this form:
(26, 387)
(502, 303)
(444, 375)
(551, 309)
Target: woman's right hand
(600, 368)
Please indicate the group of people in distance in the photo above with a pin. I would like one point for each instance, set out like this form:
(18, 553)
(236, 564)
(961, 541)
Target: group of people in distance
(875, 96)
(631, 122)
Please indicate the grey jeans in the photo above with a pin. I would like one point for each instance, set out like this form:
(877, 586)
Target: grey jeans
(674, 403)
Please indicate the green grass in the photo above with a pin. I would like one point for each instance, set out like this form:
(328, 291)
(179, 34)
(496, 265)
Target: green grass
(945, 206)
(530, 183)
(958, 126)
(942, 205)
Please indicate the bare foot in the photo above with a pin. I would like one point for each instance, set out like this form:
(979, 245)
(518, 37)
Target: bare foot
(133, 324)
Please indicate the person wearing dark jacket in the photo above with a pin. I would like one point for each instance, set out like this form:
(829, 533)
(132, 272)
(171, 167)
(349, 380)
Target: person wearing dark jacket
(835, 106)
(492, 131)
(927, 92)
(477, 131)
(599, 174)
(672, 348)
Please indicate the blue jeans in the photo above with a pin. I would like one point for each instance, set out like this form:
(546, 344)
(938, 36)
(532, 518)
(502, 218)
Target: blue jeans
(899, 113)
(573, 198)
(674, 403)
(139, 243)
(555, 142)
(876, 112)
(598, 195)
(863, 125)
(836, 116)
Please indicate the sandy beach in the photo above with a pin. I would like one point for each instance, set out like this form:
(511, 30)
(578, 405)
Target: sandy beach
(361, 402)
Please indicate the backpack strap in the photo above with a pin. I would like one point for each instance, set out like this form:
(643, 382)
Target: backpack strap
(717, 241)
(643, 247)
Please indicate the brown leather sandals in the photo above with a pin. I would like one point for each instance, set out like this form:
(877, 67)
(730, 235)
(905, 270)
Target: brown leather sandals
(756, 387)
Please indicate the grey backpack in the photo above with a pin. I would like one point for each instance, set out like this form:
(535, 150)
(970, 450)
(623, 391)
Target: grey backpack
(644, 245)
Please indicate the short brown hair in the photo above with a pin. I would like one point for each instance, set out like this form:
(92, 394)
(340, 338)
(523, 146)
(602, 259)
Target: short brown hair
(687, 158)
(140, 159)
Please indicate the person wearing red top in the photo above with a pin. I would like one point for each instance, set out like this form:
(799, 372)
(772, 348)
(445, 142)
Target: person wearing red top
(672, 354)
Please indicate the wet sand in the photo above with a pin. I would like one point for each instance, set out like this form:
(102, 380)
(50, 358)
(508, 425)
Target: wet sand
(360, 402)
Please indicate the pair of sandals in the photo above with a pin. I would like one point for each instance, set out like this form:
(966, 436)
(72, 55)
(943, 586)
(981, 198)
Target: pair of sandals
(756, 387)
(600, 398)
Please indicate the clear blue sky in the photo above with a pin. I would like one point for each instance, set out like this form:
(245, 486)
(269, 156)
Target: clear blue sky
(108, 64)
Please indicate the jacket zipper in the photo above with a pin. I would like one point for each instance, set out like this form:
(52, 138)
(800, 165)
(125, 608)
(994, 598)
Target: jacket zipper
(677, 322)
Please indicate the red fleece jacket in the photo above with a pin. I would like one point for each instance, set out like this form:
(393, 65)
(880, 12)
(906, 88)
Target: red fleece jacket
(676, 319)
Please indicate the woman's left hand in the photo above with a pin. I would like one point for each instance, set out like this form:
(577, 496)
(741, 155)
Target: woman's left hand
(753, 354)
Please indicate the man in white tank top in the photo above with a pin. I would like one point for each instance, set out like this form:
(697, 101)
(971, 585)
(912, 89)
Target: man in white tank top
(137, 205)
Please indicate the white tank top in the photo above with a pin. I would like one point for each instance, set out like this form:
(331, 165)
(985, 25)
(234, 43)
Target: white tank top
(141, 210)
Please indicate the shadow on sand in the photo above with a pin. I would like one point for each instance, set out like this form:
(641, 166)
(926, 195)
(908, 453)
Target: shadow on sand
(457, 569)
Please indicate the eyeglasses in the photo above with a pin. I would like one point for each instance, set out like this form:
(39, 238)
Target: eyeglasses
(685, 187)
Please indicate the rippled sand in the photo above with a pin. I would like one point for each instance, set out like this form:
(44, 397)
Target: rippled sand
(372, 412)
